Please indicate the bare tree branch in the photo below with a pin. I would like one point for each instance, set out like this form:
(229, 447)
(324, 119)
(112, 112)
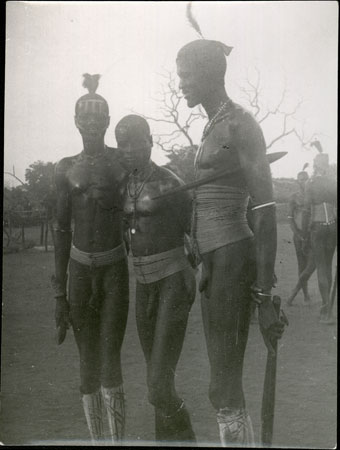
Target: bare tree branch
(251, 92)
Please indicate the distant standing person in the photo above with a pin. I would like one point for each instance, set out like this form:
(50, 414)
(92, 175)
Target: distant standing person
(304, 254)
(165, 286)
(97, 305)
(320, 219)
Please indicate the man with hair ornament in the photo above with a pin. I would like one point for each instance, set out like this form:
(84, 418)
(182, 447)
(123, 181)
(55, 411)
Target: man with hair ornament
(93, 259)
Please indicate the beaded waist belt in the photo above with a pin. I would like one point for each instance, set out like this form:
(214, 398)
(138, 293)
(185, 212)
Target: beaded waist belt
(315, 222)
(149, 269)
(99, 259)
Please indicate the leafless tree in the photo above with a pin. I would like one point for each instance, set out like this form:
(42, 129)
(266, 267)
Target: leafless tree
(174, 118)
(285, 118)
(178, 121)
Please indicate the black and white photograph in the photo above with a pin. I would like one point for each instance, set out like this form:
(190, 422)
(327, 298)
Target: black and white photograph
(170, 224)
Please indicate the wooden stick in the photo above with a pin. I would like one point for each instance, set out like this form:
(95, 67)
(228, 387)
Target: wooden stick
(268, 398)
(42, 232)
(46, 234)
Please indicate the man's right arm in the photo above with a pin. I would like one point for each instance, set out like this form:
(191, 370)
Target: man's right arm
(291, 210)
(63, 233)
(306, 211)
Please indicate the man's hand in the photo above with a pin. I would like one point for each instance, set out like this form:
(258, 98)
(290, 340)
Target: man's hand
(62, 318)
(205, 282)
(271, 324)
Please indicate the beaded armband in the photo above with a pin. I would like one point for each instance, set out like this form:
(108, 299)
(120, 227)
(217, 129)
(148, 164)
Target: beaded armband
(259, 297)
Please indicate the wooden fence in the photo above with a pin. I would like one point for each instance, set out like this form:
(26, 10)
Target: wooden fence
(15, 222)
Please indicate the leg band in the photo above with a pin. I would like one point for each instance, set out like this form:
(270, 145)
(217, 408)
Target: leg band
(235, 427)
(92, 404)
(114, 402)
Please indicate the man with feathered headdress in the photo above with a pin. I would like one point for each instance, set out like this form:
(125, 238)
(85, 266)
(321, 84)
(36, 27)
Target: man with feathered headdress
(221, 236)
(320, 219)
(95, 258)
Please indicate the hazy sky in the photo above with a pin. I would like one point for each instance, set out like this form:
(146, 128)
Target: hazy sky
(49, 45)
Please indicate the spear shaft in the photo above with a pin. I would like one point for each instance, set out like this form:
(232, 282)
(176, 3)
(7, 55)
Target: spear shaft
(271, 157)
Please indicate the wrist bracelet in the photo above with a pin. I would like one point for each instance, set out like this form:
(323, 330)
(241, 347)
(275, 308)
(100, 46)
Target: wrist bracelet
(263, 205)
(258, 300)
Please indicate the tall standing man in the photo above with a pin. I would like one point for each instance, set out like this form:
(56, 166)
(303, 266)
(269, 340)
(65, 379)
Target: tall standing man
(221, 235)
(97, 305)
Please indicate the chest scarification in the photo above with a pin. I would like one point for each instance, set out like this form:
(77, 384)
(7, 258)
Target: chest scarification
(219, 148)
(95, 182)
(143, 203)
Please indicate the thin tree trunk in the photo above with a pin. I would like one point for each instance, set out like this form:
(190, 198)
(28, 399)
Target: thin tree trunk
(23, 235)
(46, 234)
(52, 230)
(42, 233)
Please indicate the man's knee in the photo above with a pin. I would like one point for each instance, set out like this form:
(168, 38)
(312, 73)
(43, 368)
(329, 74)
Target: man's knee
(90, 383)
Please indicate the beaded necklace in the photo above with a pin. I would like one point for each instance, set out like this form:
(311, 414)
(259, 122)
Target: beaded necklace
(136, 194)
(92, 159)
(214, 119)
(220, 113)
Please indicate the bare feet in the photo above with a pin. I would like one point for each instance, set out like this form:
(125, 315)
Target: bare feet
(327, 320)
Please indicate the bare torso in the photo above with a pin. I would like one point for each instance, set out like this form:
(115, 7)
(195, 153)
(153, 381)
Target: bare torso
(219, 150)
(321, 197)
(296, 207)
(155, 225)
(89, 192)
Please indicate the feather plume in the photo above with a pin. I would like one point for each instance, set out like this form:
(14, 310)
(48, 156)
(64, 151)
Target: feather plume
(91, 82)
(305, 166)
(317, 145)
(192, 21)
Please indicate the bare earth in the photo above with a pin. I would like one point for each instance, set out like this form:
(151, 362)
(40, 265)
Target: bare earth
(40, 381)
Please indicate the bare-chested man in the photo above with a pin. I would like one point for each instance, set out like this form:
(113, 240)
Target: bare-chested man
(320, 220)
(304, 254)
(97, 305)
(165, 286)
(229, 249)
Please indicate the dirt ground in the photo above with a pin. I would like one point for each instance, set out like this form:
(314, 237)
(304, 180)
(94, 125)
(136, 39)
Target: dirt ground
(40, 381)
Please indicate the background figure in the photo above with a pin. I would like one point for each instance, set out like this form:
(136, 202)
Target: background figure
(304, 254)
(221, 235)
(97, 307)
(165, 286)
(319, 217)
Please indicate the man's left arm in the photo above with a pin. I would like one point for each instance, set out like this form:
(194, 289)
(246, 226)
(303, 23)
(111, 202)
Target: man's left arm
(181, 205)
(256, 170)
